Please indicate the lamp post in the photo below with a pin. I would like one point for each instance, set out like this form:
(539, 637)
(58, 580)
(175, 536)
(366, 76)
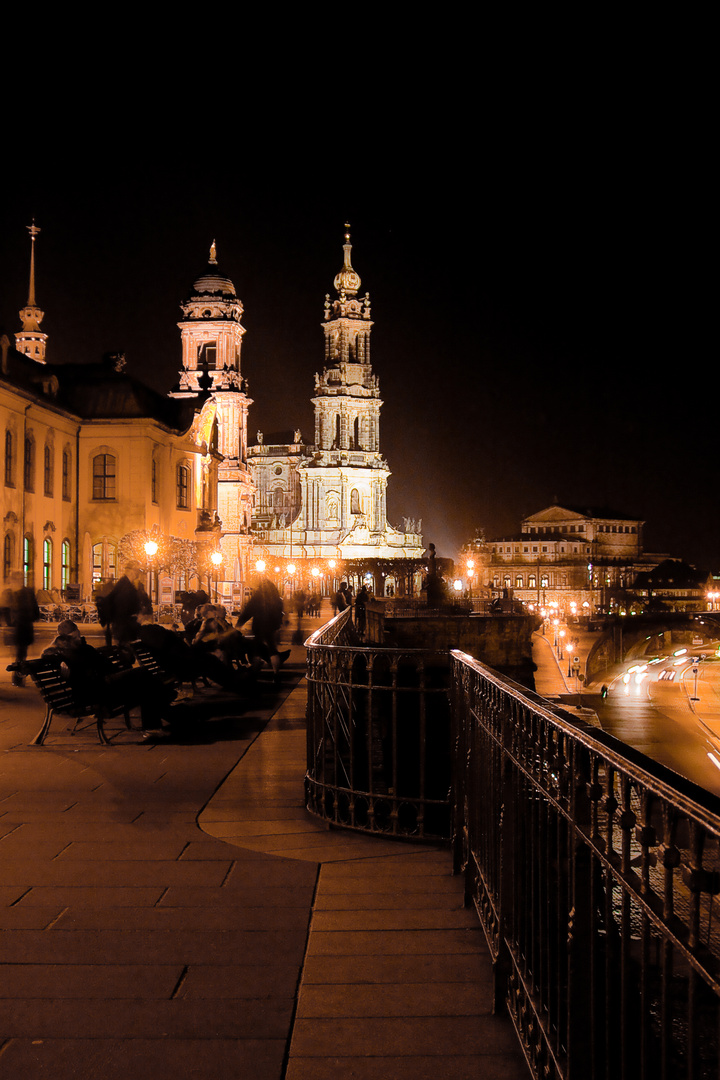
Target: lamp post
(470, 574)
(216, 559)
(570, 651)
(151, 550)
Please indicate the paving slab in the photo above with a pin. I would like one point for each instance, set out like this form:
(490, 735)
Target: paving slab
(172, 909)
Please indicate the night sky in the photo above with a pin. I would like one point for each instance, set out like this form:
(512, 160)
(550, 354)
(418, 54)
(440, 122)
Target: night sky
(538, 290)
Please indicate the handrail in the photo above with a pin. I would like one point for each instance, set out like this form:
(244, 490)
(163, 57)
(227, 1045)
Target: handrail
(595, 874)
(378, 735)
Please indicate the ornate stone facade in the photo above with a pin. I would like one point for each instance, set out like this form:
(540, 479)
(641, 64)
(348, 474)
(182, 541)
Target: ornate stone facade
(211, 365)
(328, 500)
(92, 456)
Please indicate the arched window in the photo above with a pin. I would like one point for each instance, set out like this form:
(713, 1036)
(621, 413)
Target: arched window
(66, 489)
(27, 560)
(104, 555)
(29, 464)
(65, 565)
(183, 487)
(8, 548)
(356, 433)
(9, 459)
(355, 502)
(47, 564)
(104, 476)
(48, 471)
(154, 481)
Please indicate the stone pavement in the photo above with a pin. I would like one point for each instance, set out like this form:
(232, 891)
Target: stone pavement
(171, 910)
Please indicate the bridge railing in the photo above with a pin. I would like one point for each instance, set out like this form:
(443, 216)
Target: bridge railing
(378, 735)
(595, 874)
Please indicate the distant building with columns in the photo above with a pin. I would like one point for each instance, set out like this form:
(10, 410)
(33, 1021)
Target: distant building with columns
(575, 559)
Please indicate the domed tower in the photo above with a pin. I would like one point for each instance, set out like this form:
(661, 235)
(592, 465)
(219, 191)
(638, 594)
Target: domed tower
(211, 344)
(211, 332)
(31, 340)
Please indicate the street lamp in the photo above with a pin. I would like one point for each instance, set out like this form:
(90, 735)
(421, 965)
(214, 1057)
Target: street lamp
(570, 651)
(216, 559)
(151, 550)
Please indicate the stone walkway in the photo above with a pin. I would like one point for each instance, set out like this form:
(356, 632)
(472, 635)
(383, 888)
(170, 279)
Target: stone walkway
(171, 910)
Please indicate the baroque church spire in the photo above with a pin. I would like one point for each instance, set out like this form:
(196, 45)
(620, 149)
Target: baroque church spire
(347, 396)
(347, 281)
(31, 340)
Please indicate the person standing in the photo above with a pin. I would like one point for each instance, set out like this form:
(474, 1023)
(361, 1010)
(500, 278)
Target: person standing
(342, 600)
(24, 612)
(265, 608)
(360, 604)
(123, 604)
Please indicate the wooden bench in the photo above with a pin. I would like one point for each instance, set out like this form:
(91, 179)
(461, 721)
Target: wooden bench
(59, 697)
(148, 659)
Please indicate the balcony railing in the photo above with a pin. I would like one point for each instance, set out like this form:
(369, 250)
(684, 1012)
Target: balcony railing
(378, 751)
(595, 874)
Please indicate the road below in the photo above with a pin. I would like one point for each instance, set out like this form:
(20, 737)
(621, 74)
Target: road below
(667, 707)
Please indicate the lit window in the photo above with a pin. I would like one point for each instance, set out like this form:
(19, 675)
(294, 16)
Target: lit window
(27, 560)
(104, 476)
(104, 561)
(7, 555)
(65, 565)
(183, 487)
(47, 564)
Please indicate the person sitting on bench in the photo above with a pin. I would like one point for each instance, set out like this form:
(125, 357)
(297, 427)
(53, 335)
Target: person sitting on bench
(95, 681)
(188, 662)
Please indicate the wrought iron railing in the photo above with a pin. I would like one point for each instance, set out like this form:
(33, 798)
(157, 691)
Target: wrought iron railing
(595, 874)
(378, 735)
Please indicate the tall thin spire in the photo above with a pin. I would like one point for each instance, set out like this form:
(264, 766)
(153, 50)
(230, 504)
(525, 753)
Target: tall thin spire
(33, 230)
(31, 340)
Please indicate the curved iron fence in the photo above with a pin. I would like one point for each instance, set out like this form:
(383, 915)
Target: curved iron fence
(595, 874)
(378, 735)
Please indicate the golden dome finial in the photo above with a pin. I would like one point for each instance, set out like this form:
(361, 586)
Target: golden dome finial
(347, 281)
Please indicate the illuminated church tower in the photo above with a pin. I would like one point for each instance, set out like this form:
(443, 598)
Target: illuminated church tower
(329, 500)
(211, 344)
(31, 340)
